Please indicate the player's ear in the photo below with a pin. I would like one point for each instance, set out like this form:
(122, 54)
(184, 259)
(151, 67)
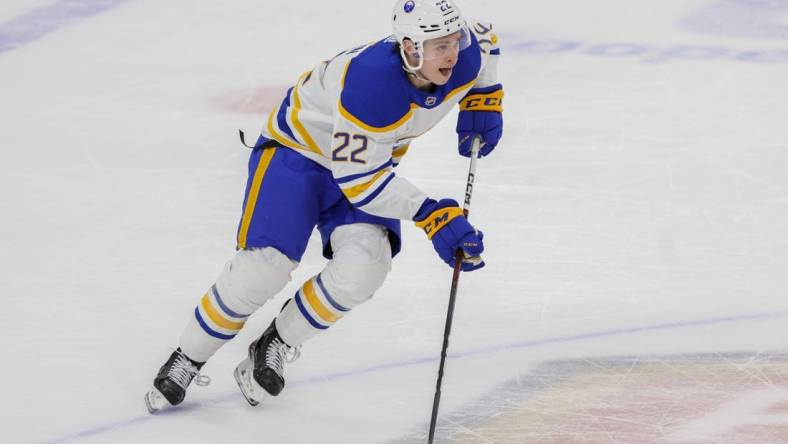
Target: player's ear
(410, 47)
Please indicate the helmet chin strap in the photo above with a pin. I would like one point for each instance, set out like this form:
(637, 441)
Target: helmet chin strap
(414, 71)
(416, 74)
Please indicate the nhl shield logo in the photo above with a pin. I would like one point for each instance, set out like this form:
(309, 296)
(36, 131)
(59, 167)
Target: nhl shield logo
(430, 101)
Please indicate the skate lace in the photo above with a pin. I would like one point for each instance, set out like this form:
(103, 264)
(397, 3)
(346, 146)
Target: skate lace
(278, 353)
(182, 372)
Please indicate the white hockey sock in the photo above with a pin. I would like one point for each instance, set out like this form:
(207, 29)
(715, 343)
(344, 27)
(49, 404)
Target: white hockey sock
(310, 311)
(247, 282)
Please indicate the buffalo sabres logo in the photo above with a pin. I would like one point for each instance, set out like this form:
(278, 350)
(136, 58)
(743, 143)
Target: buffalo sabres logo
(430, 101)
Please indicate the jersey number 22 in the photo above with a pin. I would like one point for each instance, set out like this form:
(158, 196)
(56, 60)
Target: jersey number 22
(339, 156)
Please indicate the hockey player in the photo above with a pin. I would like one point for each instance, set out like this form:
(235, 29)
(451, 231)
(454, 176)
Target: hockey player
(326, 158)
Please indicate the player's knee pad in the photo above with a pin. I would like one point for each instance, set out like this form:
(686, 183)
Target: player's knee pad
(362, 259)
(253, 277)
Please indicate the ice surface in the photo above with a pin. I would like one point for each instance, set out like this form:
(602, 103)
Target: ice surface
(634, 214)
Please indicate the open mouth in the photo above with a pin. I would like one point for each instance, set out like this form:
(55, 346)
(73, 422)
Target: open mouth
(446, 72)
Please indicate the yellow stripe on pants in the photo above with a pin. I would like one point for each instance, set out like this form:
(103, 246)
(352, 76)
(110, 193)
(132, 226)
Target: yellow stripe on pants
(254, 191)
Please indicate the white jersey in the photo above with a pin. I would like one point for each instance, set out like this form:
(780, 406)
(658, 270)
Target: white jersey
(357, 113)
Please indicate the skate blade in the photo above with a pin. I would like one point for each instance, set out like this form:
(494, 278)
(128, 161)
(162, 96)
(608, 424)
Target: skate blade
(251, 390)
(155, 401)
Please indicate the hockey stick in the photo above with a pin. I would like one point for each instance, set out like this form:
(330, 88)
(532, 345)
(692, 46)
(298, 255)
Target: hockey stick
(466, 208)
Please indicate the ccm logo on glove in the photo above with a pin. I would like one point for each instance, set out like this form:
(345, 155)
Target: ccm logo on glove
(483, 102)
(438, 220)
(448, 229)
(481, 114)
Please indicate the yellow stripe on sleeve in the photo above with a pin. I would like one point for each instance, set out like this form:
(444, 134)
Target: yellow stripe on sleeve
(320, 309)
(359, 189)
(375, 129)
(284, 140)
(254, 191)
(217, 318)
(399, 152)
(299, 127)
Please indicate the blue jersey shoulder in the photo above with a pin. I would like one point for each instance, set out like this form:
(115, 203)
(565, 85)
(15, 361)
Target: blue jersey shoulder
(377, 96)
(374, 90)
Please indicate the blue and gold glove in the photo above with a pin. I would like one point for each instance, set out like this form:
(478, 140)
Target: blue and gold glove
(448, 229)
(480, 113)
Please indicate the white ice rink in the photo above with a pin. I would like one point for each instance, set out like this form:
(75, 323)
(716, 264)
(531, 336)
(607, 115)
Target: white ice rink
(635, 218)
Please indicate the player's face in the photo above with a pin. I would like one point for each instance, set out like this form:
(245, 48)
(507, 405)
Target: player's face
(440, 56)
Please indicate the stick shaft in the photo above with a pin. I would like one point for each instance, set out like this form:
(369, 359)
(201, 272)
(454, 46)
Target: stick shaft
(466, 208)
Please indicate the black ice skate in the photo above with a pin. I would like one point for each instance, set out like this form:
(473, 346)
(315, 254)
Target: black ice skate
(169, 386)
(262, 373)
